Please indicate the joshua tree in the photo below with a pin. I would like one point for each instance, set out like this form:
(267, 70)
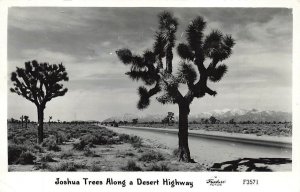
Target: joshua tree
(200, 61)
(169, 119)
(22, 120)
(26, 118)
(39, 83)
(213, 120)
(134, 121)
(12, 120)
(49, 122)
(231, 121)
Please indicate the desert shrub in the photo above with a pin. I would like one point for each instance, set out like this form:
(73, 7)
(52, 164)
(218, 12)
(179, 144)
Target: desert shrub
(83, 131)
(137, 143)
(71, 166)
(14, 152)
(140, 150)
(106, 138)
(51, 143)
(61, 137)
(175, 152)
(42, 165)
(151, 156)
(131, 166)
(82, 145)
(26, 158)
(30, 135)
(89, 139)
(90, 153)
(106, 132)
(10, 136)
(99, 138)
(124, 137)
(66, 154)
(38, 148)
(19, 139)
(74, 134)
(130, 154)
(103, 140)
(159, 167)
(67, 166)
(47, 158)
(94, 167)
(134, 140)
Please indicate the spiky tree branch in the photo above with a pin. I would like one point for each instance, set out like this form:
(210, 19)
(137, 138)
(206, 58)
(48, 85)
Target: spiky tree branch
(167, 29)
(215, 46)
(150, 67)
(39, 82)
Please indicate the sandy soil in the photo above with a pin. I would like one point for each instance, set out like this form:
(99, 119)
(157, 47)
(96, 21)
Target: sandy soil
(124, 155)
(110, 158)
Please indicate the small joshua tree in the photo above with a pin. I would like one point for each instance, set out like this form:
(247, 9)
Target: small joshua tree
(169, 119)
(200, 61)
(134, 121)
(22, 120)
(231, 121)
(39, 83)
(26, 118)
(213, 120)
(12, 120)
(49, 122)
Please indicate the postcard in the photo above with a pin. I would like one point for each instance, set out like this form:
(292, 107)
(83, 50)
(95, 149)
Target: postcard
(140, 95)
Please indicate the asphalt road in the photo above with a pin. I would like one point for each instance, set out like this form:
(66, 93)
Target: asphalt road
(212, 147)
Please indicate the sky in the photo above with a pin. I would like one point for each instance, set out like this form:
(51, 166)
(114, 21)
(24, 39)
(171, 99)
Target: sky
(85, 40)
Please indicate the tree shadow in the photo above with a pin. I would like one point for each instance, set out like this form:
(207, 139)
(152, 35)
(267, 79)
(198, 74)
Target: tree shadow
(249, 164)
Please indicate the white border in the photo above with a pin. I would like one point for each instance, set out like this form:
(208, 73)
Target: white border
(44, 182)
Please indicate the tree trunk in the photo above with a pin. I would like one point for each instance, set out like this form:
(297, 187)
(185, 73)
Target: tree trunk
(184, 151)
(40, 110)
(169, 58)
(160, 63)
(22, 121)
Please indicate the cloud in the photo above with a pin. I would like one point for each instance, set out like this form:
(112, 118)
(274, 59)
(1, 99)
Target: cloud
(46, 19)
(85, 40)
(44, 55)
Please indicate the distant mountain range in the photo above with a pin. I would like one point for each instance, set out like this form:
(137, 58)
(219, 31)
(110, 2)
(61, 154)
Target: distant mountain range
(223, 115)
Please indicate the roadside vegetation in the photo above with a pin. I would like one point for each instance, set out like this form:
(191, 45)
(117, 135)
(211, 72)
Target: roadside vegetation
(283, 129)
(86, 147)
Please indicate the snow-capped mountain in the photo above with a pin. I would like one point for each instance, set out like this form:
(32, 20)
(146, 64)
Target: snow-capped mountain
(244, 115)
(223, 115)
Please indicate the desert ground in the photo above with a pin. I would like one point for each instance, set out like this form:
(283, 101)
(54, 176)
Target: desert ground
(88, 147)
(93, 147)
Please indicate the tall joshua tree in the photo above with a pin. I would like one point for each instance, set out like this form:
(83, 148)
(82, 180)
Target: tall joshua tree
(39, 83)
(200, 61)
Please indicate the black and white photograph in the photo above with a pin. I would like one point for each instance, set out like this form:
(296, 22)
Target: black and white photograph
(149, 89)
